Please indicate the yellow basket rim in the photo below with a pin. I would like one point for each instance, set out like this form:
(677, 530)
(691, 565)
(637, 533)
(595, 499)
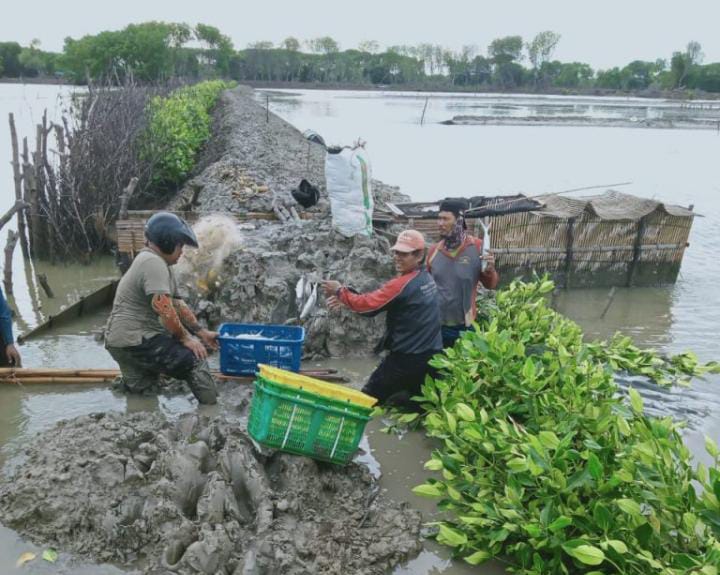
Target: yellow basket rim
(318, 386)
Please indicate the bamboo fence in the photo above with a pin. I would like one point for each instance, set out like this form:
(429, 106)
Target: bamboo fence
(609, 240)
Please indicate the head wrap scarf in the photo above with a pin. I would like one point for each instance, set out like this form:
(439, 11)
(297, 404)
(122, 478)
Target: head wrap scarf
(457, 235)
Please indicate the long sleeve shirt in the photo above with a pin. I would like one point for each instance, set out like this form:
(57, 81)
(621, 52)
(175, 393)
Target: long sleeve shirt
(5, 321)
(412, 324)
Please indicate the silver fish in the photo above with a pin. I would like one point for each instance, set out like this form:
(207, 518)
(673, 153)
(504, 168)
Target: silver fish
(485, 245)
(310, 303)
(300, 291)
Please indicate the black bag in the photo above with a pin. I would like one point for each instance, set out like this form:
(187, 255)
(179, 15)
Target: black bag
(306, 194)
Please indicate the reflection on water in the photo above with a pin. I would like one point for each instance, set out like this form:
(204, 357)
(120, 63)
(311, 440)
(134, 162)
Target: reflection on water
(11, 547)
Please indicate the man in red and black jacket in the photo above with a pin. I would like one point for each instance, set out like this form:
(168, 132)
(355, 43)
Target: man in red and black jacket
(412, 333)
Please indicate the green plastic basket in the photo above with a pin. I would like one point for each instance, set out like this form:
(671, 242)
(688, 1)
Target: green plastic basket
(304, 423)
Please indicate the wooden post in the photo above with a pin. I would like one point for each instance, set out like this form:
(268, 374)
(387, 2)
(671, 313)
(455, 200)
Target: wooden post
(637, 249)
(125, 198)
(610, 298)
(43, 281)
(422, 119)
(31, 190)
(12, 239)
(570, 239)
(17, 177)
(267, 108)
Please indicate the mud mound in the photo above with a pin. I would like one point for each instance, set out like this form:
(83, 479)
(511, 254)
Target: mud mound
(250, 165)
(257, 283)
(194, 496)
(254, 159)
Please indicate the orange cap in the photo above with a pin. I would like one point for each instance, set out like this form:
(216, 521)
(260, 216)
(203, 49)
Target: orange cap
(409, 241)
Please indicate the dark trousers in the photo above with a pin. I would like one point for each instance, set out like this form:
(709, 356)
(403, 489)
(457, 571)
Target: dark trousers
(3, 356)
(451, 333)
(141, 365)
(399, 377)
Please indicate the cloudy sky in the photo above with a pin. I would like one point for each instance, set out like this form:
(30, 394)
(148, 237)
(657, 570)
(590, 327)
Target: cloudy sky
(602, 33)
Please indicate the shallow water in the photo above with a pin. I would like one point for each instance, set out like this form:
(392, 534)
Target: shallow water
(428, 162)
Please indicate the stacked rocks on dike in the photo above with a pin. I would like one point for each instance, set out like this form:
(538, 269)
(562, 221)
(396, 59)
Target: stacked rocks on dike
(249, 166)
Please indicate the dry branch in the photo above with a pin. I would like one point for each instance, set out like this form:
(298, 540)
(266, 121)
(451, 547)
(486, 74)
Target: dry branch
(12, 239)
(19, 206)
(17, 178)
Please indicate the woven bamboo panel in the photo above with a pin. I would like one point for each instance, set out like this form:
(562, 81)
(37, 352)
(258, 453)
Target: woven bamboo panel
(130, 235)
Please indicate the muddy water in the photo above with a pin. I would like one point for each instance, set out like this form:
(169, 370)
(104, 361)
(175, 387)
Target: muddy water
(427, 162)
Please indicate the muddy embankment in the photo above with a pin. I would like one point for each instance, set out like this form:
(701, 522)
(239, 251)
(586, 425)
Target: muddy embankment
(587, 121)
(194, 496)
(251, 166)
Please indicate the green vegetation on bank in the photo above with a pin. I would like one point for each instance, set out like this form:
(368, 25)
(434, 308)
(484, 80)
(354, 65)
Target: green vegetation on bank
(157, 51)
(178, 126)
(544, 464)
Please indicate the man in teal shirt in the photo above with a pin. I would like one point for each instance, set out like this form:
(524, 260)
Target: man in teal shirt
(11, 356)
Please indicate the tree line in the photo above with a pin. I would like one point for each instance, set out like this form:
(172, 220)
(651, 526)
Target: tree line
(158, 51)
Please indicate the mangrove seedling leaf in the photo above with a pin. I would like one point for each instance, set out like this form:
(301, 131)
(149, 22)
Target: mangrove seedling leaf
(560, 523)
(636, 401)
(433, 465)
(548, 439)
(477, 557)
(595, 466)
(711, 447)
(629, 506)
(50, 555)
(618, 546)
(427, 490)
(464, 412)
(586, 554)
(451, 537)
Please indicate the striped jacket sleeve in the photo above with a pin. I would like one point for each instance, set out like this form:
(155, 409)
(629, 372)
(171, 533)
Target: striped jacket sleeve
(375, 302)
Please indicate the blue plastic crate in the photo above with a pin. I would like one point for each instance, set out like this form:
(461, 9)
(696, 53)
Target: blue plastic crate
(277, 345)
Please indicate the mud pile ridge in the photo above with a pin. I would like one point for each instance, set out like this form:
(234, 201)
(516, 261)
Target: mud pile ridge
(195, 497)
(250, 166)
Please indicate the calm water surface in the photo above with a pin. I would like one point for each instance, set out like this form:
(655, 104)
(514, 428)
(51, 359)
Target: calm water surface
(427, 162)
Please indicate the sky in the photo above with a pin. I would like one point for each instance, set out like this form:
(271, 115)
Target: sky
(601, 33)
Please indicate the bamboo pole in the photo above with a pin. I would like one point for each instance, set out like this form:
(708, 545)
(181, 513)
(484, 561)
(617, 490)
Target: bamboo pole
(29, 375)
(17, 177)
(56, 372)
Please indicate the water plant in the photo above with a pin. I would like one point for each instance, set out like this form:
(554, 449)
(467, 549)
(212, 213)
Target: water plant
(178, 126)
(548, 466)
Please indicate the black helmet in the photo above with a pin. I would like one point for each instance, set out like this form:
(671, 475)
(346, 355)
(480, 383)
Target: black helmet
(167, 231)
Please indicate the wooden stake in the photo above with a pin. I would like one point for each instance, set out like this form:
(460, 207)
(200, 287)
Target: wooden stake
(125, 198)
(42, 279)
(17, 177)
(610, 298)
(422, 119)
(9, 249)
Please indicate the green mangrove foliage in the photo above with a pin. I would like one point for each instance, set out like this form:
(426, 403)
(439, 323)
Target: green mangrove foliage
(545, 466)
(178, 126)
